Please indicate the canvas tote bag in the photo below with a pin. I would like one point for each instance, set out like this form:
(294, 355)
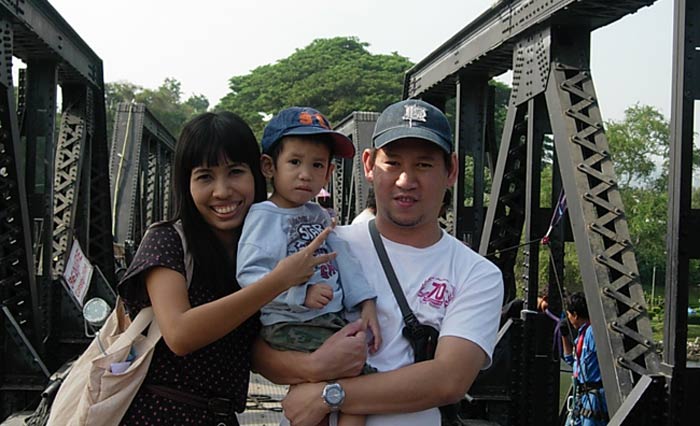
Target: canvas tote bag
(91, 394)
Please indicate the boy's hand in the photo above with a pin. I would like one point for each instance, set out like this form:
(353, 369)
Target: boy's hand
(318, 296)
(369, 319)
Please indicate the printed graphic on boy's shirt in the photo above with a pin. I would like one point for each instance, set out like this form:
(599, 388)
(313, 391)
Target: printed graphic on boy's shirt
(436, 292)
(303, 230)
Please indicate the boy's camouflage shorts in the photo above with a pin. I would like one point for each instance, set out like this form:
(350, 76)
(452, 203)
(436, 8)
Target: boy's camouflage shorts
(306, 336)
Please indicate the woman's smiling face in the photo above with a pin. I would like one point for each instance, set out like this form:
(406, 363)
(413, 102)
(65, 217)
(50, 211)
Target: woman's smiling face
(223, 194)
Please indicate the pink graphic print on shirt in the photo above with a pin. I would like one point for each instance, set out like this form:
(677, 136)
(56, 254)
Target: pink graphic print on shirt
(437, 292)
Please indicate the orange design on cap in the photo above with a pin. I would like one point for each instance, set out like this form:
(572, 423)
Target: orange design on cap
(307, 119)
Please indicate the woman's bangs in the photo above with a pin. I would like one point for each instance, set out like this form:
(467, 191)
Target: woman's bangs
(210, 148)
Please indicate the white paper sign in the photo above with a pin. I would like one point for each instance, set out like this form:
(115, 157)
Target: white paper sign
(78, 273)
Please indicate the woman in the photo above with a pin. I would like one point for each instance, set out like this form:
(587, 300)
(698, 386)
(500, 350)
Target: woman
(200, 369)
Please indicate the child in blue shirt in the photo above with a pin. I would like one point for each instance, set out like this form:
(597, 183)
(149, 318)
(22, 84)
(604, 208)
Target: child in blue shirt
(298, 145)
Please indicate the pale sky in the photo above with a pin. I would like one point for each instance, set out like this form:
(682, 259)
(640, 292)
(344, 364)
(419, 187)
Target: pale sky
(204, 43)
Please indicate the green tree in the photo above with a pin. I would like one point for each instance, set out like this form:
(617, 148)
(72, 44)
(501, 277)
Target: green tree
(337, 76)
(639, 146)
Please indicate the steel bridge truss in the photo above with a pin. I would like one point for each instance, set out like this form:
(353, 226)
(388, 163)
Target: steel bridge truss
(53, 189)
(547, 45)
(140, 171)
(349, 189)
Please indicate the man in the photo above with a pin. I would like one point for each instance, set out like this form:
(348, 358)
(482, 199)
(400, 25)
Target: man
(589, 408)
(446, 284)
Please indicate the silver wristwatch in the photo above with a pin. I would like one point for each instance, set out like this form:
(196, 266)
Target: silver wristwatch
(333, 395)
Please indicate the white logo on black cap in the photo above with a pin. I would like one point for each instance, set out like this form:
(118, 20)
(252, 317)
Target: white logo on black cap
(414, 113)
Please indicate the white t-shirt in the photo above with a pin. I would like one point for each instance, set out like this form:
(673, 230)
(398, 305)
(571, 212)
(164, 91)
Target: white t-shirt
(447, 285)
(365, 216)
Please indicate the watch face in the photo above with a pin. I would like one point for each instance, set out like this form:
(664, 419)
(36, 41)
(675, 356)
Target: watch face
(334, 395)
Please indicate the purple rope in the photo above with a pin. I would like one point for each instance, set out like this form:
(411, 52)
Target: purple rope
(556, 338)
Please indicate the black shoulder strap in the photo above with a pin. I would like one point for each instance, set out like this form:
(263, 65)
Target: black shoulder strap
(408, 317)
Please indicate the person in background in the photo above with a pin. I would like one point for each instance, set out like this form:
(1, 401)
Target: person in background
(589, 405)
(370, 209)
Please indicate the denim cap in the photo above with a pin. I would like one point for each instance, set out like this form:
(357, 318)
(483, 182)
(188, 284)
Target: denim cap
(304, 121)
(413, 118)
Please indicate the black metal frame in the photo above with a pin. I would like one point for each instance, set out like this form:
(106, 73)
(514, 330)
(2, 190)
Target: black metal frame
(53, 189)
(348, 186)
(683, 219)
(546, 43)
(140, 168)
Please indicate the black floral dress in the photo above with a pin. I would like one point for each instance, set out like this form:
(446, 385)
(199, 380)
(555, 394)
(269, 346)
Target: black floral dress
(220, 369)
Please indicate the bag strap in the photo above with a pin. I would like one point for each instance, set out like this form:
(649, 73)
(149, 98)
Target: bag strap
(408, 317)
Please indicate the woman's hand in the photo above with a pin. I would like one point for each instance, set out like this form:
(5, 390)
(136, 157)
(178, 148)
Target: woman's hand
(300, 266)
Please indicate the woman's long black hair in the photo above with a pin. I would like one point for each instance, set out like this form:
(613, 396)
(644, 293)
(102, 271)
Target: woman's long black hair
(205, 140)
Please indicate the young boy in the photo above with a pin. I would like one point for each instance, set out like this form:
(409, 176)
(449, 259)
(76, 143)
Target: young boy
(298, 145)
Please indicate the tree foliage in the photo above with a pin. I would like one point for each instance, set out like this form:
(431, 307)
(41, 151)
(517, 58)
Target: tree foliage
(165, 102)
(639, 146)
(336, 76)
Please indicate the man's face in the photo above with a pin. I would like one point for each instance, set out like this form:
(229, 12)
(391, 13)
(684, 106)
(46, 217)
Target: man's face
(410, 178)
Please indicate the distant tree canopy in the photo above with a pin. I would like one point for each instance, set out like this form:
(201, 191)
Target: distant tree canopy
(165, 103)
(639, 146)
(336, 76)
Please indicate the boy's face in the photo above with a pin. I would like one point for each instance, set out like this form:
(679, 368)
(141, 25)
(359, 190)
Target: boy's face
(301, 170)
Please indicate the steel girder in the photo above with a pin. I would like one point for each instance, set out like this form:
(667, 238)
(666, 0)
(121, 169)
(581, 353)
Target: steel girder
(608, 266)
(38, 133)
(486, 44)
(94, 222)
(21, 367)
(40, 32)
(505, 216)
(351, 199)
(51, 192)
(515, 204)
(475, 109)
(683, 218)
(70, 153)
(141, 153)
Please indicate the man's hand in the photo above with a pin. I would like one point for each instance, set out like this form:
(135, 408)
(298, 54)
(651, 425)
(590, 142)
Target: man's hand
(303, 405)
(369, 319)
(318, 296)
(341, 355)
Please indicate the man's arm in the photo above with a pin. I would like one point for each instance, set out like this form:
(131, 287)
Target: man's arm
(415, 387)
(342, 355)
